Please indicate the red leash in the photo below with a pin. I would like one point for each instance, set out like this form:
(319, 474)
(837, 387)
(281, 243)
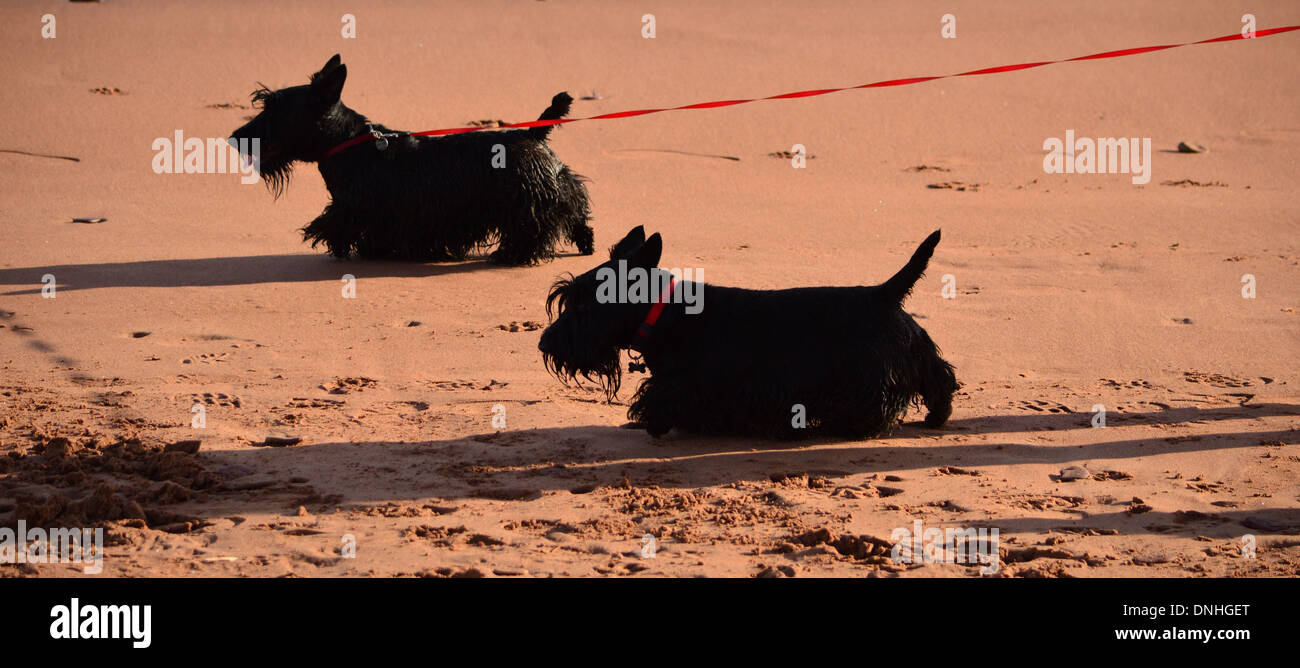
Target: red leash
(383, 138)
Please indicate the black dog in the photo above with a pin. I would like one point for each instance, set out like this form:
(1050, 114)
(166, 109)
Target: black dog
(849, 359)
(420, 198)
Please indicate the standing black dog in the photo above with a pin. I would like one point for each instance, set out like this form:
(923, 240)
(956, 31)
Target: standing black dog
(844, 361)
(420, 198)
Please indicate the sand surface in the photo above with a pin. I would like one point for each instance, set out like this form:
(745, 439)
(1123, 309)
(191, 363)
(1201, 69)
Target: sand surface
(1072, 291)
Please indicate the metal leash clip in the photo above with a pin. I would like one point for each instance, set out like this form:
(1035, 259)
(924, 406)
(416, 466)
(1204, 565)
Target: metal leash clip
(381, 138)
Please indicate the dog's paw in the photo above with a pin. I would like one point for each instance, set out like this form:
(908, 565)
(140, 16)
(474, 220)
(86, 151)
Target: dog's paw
(936, 419)
(657, 430)
(509, 260)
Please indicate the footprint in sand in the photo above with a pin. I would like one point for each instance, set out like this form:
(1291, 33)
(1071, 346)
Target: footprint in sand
(453, 385)
(349, 385)
(396, 510)
(218, 399)
(788, 155)
(206, 358)
(959, 186)
(1127, 384)
(468, 385)
(1042, 406)
(525, 326)
(1055, 502)
(1215, 379)
(304, 402)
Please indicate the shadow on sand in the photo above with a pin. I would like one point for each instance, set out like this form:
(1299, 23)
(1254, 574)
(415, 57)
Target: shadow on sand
(526, 464)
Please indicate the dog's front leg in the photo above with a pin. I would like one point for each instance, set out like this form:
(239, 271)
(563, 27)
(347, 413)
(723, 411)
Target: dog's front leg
(653, 408)
(335, 228)
(657, 428)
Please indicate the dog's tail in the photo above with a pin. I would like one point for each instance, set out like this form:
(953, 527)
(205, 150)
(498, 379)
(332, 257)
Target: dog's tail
(898, 287)
(559, 109)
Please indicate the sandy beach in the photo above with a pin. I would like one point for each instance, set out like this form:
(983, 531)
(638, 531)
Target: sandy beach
(1069, 292)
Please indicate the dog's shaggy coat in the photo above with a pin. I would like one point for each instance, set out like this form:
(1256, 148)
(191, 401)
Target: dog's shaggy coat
(747, 363)
(421, 198)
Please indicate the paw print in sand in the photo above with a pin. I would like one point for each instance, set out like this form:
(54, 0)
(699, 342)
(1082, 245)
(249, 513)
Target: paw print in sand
(218, 399)
(1043, 406)
(525, 326)
(348, 385)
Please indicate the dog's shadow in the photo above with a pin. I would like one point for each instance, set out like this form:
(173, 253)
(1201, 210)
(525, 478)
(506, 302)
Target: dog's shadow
(1056, 421)
(225, 271)
(528, 464)
(1119, 519)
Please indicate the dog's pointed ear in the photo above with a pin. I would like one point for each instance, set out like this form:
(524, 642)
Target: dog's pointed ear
(327, 84)
(648, 254)
(629, 243)
(331, 64)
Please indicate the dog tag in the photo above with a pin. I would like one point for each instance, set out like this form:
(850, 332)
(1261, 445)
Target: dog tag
(381, 143)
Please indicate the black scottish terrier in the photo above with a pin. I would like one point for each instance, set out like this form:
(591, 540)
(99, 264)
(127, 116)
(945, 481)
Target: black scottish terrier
(420, 198)
(749, 361)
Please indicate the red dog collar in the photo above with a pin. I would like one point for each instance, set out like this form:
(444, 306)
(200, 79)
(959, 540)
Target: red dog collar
(656, 310)
(371, 135)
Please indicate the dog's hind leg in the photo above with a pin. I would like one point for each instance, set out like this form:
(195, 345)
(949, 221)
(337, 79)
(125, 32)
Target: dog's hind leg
(519, 246)
(574, 210)
(581, 234)
(937, 387)
(584, 238)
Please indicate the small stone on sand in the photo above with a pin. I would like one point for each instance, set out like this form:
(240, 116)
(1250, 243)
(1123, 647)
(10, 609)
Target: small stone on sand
(1072, 473)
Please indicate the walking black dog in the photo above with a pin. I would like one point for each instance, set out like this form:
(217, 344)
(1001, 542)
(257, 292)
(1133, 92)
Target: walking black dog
(844, 361)
(420, 198)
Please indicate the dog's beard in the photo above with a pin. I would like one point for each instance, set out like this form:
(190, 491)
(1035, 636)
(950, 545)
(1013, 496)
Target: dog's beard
(605, 370)
(275, 174)
(275, 171)
(599, 364)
